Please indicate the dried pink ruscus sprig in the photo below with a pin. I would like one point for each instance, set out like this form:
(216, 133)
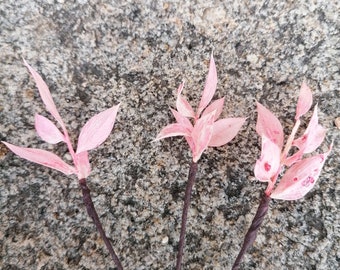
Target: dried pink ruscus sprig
(302, 174)
(203, 131)
(206, 130)
(93, 133)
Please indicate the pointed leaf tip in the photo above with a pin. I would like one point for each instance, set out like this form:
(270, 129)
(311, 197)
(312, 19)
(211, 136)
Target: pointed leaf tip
(97, 129)
(172, 130)
(217, 106)
(209, 88)
(42, 157)
(304, 102)
(45, 94)
(182, 105)
(224, 130)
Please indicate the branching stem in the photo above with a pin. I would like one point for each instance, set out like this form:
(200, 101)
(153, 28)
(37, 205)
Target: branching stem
(93, 214)
(187, 197)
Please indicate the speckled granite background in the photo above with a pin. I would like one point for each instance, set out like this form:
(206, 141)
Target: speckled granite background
(94, 54)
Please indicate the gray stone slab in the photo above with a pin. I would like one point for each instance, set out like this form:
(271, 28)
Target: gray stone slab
(94, 54)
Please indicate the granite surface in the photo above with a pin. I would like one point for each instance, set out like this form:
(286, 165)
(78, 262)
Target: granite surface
(94, 54)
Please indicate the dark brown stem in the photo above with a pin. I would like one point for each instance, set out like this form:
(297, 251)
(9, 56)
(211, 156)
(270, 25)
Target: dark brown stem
(187, 197)
(252, 232)
(93, 214)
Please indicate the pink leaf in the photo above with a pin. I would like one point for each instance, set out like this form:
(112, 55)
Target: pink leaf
(83, 165)
(309, 141)
(42, 157)
(304, 102)
(182, 105)
(210, 87)
(185, 122)
(313, 136)
(173, 130)
(201, 135)
(225, 130)
(97, 129)
(289, 161)
(47, 130)
(300, 178)
(268, 165)
(45, 95)
(217, 106)
(268, 125)
(190, 142)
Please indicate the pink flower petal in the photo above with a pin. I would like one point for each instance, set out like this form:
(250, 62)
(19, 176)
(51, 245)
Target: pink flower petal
(268, 125)
(173, 130)
(268, 165)
(45, 95)
(300, 178)
(83, 165)
(47, 130)
(201, 135)
(183, 106)
(225, 130)
(217, 106)
(96, 130)
(304, 102)
(210, 87)
(42, 157)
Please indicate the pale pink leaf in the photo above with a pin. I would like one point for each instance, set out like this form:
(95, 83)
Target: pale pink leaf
(173, 130)
(210, 87)
(304, 102)
(217, 106)
(42, 157)
(300, 178)
(190, 142)
(181, 119)
(182, 105)
(47, 130)
(83, 165)
(45, 95)
(225, 130)
(268, 165)
(185, 122)
(289, 161)
(313, 136)
(268, 125)
(201, 135)
(96, 130)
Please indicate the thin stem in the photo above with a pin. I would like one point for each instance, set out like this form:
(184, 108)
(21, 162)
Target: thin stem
(93, 214)
(252, 231)
(187, 197)
(290, 140)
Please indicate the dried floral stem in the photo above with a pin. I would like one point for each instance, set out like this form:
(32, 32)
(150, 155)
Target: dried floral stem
(252, 231)
(187, 197)
(93, 214)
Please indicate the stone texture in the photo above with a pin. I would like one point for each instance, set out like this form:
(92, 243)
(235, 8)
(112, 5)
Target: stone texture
(96, 53)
